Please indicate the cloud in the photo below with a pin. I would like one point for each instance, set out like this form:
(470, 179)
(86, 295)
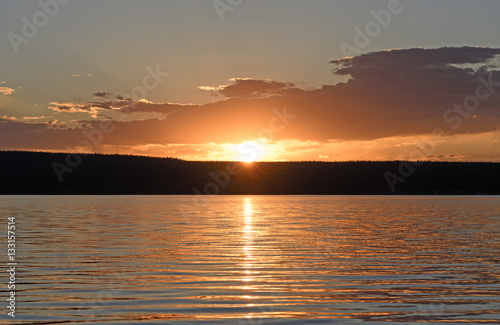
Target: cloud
(419, 57)
(7, 118)
(122, 110)
(251, 88)
(77, 75)
(69, 107)
(92, 108)
(404, 92)
(6, 90)
(417, 70)
(30, 118)
(101, 94)
(127, 106)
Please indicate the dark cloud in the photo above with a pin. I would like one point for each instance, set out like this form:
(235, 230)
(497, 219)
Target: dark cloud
(419, 57)
(64, 107)
(254, 88)
(101, 95)
(417, 71)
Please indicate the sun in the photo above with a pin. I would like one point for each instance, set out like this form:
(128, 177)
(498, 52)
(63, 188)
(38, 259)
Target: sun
(250, 151)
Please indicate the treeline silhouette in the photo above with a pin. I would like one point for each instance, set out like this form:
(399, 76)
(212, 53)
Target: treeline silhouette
(36, 173)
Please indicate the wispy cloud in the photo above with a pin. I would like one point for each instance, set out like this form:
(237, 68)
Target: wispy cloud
(77, 75)
(7, 118)
(6, 90)
(102, 94)
(33, 118)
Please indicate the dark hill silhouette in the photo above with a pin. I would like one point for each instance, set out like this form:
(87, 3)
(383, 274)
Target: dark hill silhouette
(33, 173)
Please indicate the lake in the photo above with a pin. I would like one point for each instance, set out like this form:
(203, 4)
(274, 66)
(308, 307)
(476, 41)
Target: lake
(254, 259)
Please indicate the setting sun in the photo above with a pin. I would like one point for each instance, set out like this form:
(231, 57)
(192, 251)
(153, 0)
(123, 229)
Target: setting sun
(250, 151)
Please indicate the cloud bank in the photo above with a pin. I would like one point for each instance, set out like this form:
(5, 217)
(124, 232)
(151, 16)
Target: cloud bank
(389, 94)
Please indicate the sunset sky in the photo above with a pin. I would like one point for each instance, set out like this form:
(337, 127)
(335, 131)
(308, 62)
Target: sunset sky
(323, 80)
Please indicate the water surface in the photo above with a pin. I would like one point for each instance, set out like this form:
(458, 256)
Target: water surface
(256, 259)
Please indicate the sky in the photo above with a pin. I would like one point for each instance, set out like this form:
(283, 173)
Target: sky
(325, 80)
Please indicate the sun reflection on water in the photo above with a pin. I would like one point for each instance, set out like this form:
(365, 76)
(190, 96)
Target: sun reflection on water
(247, 242)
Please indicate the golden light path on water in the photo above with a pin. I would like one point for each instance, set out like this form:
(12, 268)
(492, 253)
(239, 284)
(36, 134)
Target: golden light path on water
(247, 250)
